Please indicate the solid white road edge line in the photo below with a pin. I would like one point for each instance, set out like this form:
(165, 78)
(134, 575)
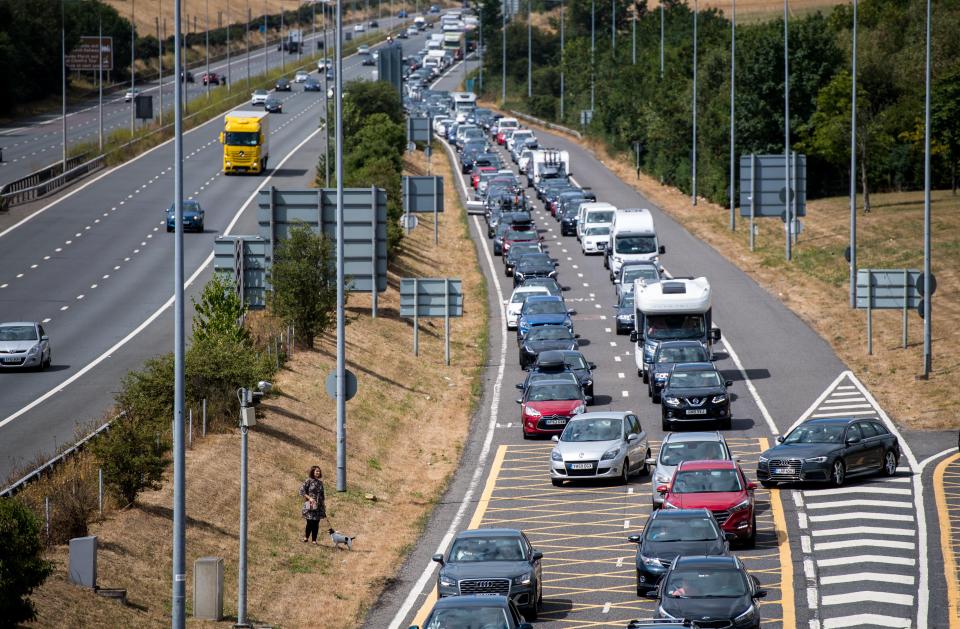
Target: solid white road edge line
(478, 472)
(153, 317)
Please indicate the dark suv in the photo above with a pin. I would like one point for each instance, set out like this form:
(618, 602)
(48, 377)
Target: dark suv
(668, 355)
(695, 392)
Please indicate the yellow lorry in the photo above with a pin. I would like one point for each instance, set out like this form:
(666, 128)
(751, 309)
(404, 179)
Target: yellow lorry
(245, 139)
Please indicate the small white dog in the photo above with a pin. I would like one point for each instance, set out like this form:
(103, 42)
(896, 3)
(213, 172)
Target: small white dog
(340, 538)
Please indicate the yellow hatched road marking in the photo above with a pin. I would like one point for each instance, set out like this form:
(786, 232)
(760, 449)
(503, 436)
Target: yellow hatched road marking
(946, 538)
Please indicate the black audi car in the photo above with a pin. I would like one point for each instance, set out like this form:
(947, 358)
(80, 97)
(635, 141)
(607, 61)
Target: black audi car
(695, 392)
(560, 361)
(668, 355)
(830, 449)
(543, 338)
(534, 265)
(516, 252)
(493, 562)
(670, 533)
(715, 590)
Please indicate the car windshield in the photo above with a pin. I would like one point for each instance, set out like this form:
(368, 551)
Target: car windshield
(548, 392)
(694, 379)
(665, 327)
(18, 333)
(522, 248)
(627, 302)
(600, 217)
(706, 481)
(601, 429)
(575, 361)
(520, 235)
(636, 244)
(641, 272)
(260, 93)
(674, 530)
(816, 433)
(547, 282)
(549, 333)
(544, 307)
(493, 548)
(563, 375)
(712, 583)
(468, 618)
(676, 453)
(241, 138)
(691, 354)
(188, 206)
(602, 230)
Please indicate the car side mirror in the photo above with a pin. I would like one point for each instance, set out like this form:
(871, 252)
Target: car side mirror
(537, 555)
(438, 558)
(222, 137)
(662, 249)
(592, 366)
(662, 489)
(414, 627)
(564, 288)
(729, 536)
(44, 338)
(588, 399)
(634, 337)
(779, 438)
(760, 594)
(751, 486)
(520, 385)
(632, 437)
(571, 312)
(652, 594)
(714, 334)
(728, 383)
(633, 538)
(519, 400)
(650, 461)
(555, 438)
(576, 336)
(853, 440)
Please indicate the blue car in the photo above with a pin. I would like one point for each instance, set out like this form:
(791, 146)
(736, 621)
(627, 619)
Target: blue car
(543, 310)
(192, 217)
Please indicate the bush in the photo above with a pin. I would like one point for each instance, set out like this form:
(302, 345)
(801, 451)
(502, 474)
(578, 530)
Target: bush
(133, 455)
(21, 566)
(219, 311)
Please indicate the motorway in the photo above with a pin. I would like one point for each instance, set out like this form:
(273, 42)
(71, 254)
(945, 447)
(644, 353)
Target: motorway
(857, 556)
(37, 142)
(95, 265)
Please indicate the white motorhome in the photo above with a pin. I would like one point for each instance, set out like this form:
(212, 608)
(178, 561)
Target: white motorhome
(594, 213)
(503, 124)
(670, 310)
(632, 239)
(464, 101)
(543, 158)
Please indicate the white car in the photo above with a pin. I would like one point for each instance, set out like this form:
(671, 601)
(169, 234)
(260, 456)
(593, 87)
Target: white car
(412, 30)
(323, 65)
(259, 97)
(517, 299)
(363, 49)
(300, 77)
(24, 344)
(359, 28)
(595, 238)
(131, 94)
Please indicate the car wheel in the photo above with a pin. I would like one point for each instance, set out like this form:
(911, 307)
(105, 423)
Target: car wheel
(606, 265)
(640, 373)
(656, 398)
(751, 542)
(169, 229)
(645, 469)
(839, 473)
(625, 472)
(646, 377)
(527, 435)
(556, 481)
(530, 613)
(889, 463)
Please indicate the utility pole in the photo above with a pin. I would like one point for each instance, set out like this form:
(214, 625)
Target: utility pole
(613, 27)
(786, 130)
(479, 42)
(733, 124)
(593, 47)
(562, 62)
(206, 11)
(283, 57)
(246, 36)
(529, 53)
(63, 78)
(341, 366)
(229, 77)
(927, 277)
(133, 69)
(100, 77)
(179, 457)
(160, 65)
(853, 162)
(693, 166)
(633, 47)
(326, 106)
(266, 52)
(503, 85)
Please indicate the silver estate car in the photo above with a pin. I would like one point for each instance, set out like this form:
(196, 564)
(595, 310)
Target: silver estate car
(24, 344)
(685, 446)
(604, 444)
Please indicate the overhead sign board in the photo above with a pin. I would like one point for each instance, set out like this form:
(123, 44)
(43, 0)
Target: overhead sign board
(423, 194)
(763, 185)
(430, 297)
(92, 53)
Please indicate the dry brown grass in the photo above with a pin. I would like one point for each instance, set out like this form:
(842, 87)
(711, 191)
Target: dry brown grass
(765, 9)
(815, 285)
(393, 421)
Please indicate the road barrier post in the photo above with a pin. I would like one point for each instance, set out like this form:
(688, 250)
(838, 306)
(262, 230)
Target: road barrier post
(869, 313)
(100, 490)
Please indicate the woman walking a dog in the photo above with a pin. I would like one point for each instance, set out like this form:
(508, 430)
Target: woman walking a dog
(314, 505)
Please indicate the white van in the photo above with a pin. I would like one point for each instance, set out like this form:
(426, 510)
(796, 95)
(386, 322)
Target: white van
(504, 124)
(594, 213)
(632, 239)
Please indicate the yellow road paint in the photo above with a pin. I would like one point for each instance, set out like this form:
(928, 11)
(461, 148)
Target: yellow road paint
(786, 561)
(478, 513)
(946, 543)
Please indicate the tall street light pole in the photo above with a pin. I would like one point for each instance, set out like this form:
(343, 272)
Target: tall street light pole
(853, 162)
(100, 76)
(786, 129)
(133, 68)
(503, 45)
(613, 27)
(206, 19)
(63, 79)
(693, 166)
(159, 65)
(562, 62)
(661, 40)
(633, 46)
(733, 124)
(529, 53)
(927, 283)
(341, 346)
(246, 36)
(593, 47)
(266, 52)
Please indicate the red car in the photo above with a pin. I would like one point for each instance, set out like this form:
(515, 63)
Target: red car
(211, 78)
(547, 406)
(719, 486)
(475, 178)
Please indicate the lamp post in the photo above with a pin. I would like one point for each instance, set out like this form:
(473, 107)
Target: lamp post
(593, 46)
(693, 165)
(529, 53)
(733, 92)
(503, 69)
(786, 130)
(853, 162)
(63, 79)
(562, 60)
(133, 69)
(927, 278)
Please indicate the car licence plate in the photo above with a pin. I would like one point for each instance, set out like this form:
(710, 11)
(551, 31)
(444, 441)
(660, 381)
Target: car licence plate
(601, 245)
(581, 466)
(11, 359)
(555, 422)
(697, 411)
(782, 470)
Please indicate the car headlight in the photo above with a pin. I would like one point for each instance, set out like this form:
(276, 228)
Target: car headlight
(446, 581)
(717, 399)
(816, 459)
(588, 383)
(651, 562)
(663, 375)
(744, 504)
(663, 613)
(33, 350)
(523, 579)
(763, 459)
(610, 454)
(748, 616)
(580, 409)
(662, 478)
(556, 456)
(671, 401)
(529, 411)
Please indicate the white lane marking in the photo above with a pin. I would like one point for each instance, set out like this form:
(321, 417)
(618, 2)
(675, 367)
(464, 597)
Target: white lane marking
(79, 297)
(612, 343)
(802, 520)
(606, 608)
(886, 491)
(615, 358)
(881, 577)
(619, 562)
(816, 415)
(861, 559)
(826, 407)
(752, 389)
(621, 375)
(156, 314)
(626, 524)
(805, 543)
(860, 515)
(865, 530)
(62, 308)
(812, 598)
(624, 393)
(840, 504)
(867, 620)
(845, 393)
(861, 542)
(846, 386)
(47, 320)
(427, 574)
(865, 596)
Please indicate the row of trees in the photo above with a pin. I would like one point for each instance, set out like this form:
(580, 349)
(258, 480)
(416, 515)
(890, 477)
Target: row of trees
(633, 103)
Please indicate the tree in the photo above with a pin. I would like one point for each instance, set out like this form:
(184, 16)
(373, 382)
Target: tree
(304, 286)
(22, 567)
(364, 99)
(945, 120)
(132, 455)
(219, 311)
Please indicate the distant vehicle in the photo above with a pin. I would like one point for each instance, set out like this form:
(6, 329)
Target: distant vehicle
(283, 85)
(292, 43)
(274, 105)
(374, 24)
(368, 60)
(259, 97)
(625, 282)
(464, 612)
(695, 392)
(192, 216)
(434, 8)
(311, 85)
(606, 444)
(24, 344)
(363, 49)
(402, 13)
(625, 315)
(131, 94)
(359, 28)
(412, 30)
(300, 77)
(245, 139)
(403, 35)
(211, 78)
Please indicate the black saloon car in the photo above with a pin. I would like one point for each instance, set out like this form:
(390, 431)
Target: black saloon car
(625, 314)
(670, 533)
(273, 105)
(830, 450)
(516, 251)
(667, 356)
(311, 85)
(534, 265)
(467, 612)
(695, 392)
(543, 338)
(282, 85)
(493, 562)
(568, 220)
(559, 361)
(715, 590)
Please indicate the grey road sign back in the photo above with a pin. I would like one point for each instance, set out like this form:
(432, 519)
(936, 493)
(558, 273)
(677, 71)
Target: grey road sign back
(349, 386)
(419, 130)
(887, 288)
(768, 191)
(390, 65)
(364, 231)
(430, 300)
(423, 194)
(244, 260)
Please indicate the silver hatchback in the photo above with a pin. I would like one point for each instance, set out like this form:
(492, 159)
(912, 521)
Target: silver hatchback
(604, 444)
(685, 446)
(24, 344)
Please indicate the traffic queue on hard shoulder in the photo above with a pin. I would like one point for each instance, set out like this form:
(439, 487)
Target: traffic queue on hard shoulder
(703, 502)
